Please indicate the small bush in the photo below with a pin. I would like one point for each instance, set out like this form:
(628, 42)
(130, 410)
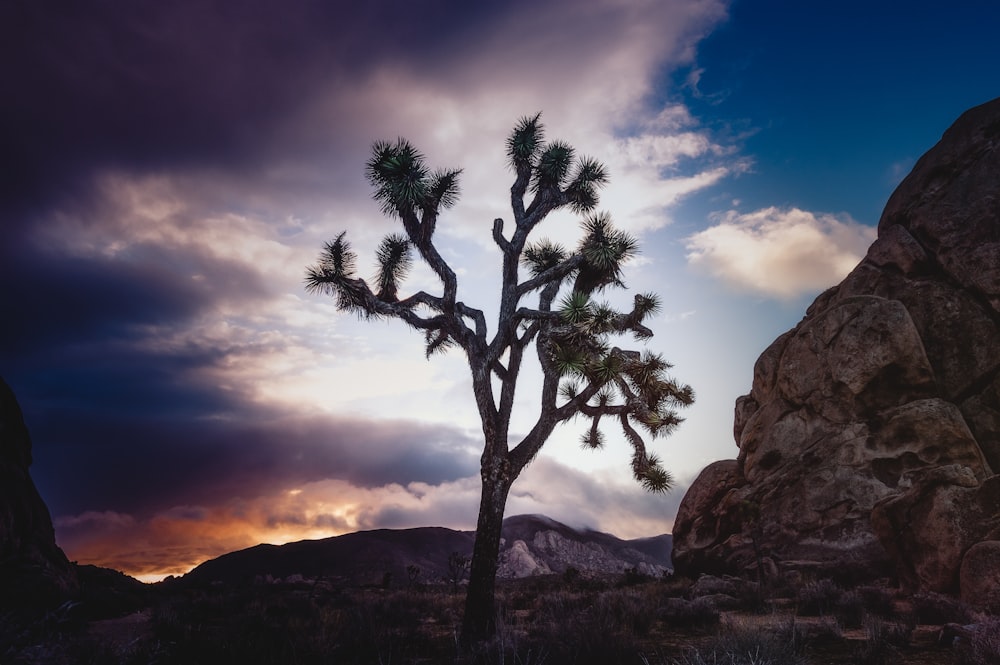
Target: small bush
(748, 645)
(819, 598)
(605, 628)
(883, 641)
(680, 613)
(634, 576)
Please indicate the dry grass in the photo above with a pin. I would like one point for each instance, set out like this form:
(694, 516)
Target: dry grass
(554, 620)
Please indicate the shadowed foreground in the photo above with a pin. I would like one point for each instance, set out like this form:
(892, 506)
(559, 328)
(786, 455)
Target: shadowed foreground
(567, 618)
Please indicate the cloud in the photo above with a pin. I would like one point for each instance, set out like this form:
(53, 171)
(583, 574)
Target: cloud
(173, 169)
(782, 253)
(108, 519)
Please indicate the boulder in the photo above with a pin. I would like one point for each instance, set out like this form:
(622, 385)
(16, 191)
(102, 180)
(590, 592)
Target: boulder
(517, 561)
(980, 576)
(33, 570)
(869, 440)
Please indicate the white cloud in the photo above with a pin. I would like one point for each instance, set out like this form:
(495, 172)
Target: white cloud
(780, 252)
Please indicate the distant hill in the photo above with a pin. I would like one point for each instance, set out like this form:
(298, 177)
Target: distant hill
(532, 545)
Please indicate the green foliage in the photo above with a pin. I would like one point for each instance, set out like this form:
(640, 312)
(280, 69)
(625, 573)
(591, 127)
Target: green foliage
(582, 191)
(543, 255)
(575, 309)
(592, 439)
(442, 189)
(399, 175)
(648, 470)
(394, 262)
(333, 275)
(553, 166)
(605, 250)
(525, 141)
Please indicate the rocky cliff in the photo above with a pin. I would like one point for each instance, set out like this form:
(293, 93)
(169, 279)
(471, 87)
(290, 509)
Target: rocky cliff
(870, 438)
(32, 568)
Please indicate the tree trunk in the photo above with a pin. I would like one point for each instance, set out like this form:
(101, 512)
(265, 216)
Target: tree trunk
(479, 621)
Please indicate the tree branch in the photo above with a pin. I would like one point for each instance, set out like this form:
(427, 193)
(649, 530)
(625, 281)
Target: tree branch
(553, 274)
(498, 238)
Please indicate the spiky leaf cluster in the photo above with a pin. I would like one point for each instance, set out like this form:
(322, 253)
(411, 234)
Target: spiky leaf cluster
(543, 255)
(551, 170)
(552, 166)
(605, 250)
(394, 261)
(634, 388)
(403, 183)
(582, 190)
(649, 471)
(333, 274)
(525, 141)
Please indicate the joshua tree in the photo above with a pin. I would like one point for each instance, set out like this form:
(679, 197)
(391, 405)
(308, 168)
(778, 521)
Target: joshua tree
(584, 374)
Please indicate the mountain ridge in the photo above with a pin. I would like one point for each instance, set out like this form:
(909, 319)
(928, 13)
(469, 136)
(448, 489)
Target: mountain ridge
(532, 545)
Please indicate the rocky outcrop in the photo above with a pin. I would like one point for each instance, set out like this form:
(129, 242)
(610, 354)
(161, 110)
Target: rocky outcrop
(33, 570)
(559, 547)
(870, 438)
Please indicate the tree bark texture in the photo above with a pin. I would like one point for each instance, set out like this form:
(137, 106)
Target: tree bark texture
(479, 621)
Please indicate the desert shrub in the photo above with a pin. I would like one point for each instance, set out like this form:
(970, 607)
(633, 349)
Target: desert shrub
(633, 576)
(936, 608)
(675, 586)
(883, 641)
(819, 598)
(680, 613)
(745, 644)
(603, 628)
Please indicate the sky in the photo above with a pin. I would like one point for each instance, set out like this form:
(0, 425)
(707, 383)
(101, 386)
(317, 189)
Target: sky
(169, 170)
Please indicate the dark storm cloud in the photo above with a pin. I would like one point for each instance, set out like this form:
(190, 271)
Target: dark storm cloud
(137, 439)
(162, 167)
(57, 300)
(151, 85)
(145, 88)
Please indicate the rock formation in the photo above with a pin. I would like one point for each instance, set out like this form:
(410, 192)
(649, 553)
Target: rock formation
(871, 435)
(537, 545)
(33, 570)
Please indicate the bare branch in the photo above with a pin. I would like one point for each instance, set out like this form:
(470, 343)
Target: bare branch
(498, 238)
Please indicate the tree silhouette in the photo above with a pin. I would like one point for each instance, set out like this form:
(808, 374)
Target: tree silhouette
(583, 373)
